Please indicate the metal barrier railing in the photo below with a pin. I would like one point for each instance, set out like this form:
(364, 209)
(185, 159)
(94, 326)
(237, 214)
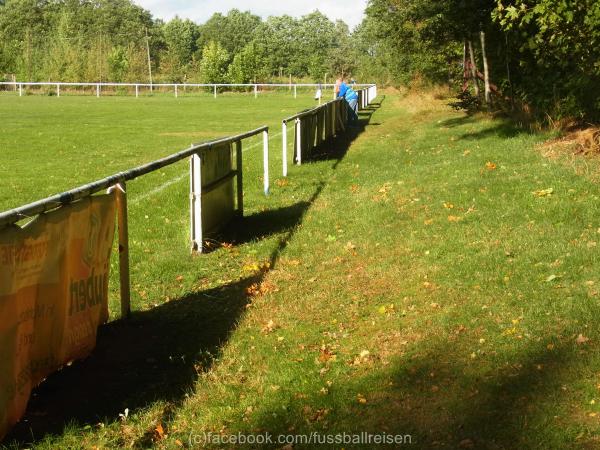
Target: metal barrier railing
(117, 182)
(365, 97)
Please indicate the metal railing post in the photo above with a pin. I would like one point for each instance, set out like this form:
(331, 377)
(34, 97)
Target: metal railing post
(298, 131)
(266, 161)
(196, 202)
(284, 147)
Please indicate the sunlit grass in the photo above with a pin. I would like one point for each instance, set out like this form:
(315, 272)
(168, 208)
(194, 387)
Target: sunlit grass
(427, 284)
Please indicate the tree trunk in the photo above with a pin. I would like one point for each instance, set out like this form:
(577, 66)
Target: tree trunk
(474, 70)
(486, 69)
(465, 68)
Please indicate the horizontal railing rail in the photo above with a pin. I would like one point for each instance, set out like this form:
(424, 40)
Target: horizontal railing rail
(15, 215)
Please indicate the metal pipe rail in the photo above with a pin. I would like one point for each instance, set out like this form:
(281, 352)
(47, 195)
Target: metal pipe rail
(14, 215)
(310, 111)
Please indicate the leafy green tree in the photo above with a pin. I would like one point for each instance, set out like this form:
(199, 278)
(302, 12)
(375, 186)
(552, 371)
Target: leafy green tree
(180, 38)
(555, 54)
(342, 55)
(232, 31)
(118, 63)
(213, 66)
(180, 45)
(248, 65)
(278, 36)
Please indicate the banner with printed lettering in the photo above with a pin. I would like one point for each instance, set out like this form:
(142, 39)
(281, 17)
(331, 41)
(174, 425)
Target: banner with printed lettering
(53, 295)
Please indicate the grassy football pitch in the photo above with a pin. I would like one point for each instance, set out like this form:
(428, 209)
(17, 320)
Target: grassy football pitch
(51, 144)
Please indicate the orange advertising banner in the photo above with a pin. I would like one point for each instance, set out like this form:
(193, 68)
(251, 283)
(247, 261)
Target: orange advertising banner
(53, 295)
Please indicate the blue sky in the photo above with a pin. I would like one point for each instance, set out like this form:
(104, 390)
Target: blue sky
(350, 11)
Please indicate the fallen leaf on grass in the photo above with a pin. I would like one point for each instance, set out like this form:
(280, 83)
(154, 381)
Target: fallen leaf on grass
(448, 205)
(350, 246)
(543, 192)
(325, 354)
(361, 399)
(581, 339)
(454, 219)
(256, 266)
(159, 432)
(552, 278)
(269, 327)
(490, 165)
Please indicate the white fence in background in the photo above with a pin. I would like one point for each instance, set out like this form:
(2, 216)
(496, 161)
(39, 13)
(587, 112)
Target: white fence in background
(177, 88)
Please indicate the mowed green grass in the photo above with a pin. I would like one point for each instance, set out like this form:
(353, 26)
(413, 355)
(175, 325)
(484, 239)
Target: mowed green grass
(49, 145)
(440, 280)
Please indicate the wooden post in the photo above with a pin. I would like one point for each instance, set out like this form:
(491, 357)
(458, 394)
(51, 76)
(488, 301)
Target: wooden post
(266, 161)
(240, 180)
(124, 282)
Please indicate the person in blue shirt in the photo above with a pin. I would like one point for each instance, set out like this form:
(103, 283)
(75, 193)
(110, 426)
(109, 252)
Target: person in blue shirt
(351, 98)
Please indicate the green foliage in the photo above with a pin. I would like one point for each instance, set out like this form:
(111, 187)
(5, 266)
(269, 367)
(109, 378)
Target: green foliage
(248, 65)
(118, 63)
(232, 31)
(545, 53)
(213, 68)
(90, 40)
(557, 51)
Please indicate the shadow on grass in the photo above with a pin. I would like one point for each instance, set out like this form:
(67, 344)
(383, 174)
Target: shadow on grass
(158, 354)
(500, 127)
(260, 225)
(336, 149)
(442, 399)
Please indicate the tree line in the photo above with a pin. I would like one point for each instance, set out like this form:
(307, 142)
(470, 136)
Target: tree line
(116, 40)
(543, 55)
(539, 54)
